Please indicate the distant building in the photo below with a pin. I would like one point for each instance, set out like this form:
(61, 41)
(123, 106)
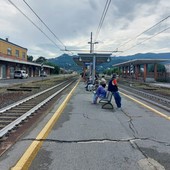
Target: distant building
(167, 66)
(14, 57)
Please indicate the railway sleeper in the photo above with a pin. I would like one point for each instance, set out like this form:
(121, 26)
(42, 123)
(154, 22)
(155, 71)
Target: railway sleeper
(5, 122)
(8, 117)
(26, 105)
(20, 109)
(12, 113)
(32, 102)
(16, 111)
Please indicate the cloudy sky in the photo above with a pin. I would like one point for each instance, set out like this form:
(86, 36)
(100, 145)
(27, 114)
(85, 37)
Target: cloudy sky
(72, 21)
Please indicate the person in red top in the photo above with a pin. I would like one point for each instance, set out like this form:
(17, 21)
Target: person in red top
(113, 87)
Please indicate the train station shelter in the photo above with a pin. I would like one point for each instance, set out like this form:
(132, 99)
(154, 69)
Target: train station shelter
(138, 69)
(88, 61)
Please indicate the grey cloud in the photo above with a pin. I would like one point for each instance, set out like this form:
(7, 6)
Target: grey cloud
(93, 4)
(127, 9)
(74, 20)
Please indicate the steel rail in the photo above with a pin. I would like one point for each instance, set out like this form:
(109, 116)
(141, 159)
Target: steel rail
(16, 122)
(133, 92)
(158, 98)
(28, 98)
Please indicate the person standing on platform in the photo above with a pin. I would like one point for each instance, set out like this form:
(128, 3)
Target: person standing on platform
(113, 87)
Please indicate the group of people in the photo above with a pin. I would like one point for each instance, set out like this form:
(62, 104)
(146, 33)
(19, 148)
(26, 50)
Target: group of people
(101, 91)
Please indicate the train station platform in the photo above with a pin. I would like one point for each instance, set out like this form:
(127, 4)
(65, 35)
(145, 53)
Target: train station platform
(84, 137)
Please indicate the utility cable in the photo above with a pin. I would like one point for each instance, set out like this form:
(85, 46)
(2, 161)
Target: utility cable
(34, 24)
(102, 18)
(148, 38)
(144, 31)
(44, 23)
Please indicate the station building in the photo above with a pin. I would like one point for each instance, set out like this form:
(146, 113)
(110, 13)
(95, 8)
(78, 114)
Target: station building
(137, 69)
(14, 57)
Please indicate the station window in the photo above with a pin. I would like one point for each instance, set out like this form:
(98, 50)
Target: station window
(23, 55)
(9, 51)
(17, 53)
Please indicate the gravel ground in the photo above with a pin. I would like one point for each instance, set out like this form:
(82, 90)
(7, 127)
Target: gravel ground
(9, 97)
(161, 91)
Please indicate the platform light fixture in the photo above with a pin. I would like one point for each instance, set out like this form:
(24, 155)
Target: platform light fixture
(108, 59)
(80, 59)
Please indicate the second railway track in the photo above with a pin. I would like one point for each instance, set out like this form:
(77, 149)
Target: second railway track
(13, 115)
(160, 101)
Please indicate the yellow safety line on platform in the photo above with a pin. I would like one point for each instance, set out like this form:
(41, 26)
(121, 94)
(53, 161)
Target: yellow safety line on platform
(150, 108)
(27, 158)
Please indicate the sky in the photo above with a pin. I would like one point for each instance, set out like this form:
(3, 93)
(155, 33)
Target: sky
(68, 24)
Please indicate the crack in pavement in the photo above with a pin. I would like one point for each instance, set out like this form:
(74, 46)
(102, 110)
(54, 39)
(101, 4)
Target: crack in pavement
(79, 141)
(131, 125)
(131, 140)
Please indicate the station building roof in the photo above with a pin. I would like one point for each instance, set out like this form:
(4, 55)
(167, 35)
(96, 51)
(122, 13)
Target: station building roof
(24, 62)
(85, 58)
(140, 62)
(6, 41)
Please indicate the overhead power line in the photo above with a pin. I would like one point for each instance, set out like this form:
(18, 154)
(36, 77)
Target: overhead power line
(88, 50)
(44, 23)
(148, 38)
(34, 24)
(144, 32)
(102, 18)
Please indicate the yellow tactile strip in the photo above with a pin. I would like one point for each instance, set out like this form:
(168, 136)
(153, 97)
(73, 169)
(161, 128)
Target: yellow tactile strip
(31, 152)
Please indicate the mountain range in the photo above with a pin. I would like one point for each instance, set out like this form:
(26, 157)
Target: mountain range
(66, 61)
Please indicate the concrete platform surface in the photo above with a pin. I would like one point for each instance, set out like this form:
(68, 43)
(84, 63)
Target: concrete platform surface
(86, 137)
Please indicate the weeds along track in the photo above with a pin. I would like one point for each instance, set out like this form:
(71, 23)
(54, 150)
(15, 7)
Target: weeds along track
(14, 114)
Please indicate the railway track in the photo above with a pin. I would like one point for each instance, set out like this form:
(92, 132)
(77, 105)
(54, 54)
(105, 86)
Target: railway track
(14, 115)
(158, 100)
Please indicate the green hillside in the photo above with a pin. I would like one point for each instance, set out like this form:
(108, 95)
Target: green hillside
(66, 61)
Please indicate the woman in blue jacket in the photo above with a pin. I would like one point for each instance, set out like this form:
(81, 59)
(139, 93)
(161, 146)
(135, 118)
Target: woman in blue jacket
(100, 93)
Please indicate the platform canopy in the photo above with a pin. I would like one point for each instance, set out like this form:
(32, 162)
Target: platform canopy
(84, 58)
(140, 62)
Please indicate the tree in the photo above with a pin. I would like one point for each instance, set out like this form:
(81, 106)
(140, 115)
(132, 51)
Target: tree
(110, 71)
(160, 68)
(41, 60)
(29, 58)
(56, 68)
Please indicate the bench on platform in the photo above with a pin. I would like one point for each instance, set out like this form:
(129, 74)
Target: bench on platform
(107, 100)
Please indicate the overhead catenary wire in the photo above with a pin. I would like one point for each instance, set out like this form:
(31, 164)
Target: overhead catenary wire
(98, 30)
(148, 38)
(34, 24)
(44, 23)
(102, 18)
(65, 48)
(144, 32)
